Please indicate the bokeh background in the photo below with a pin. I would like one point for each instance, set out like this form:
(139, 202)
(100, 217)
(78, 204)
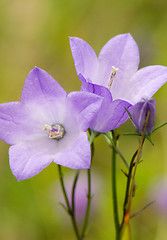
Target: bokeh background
(35, 33)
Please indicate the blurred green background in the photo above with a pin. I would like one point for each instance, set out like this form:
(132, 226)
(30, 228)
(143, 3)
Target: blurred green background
(35, 33)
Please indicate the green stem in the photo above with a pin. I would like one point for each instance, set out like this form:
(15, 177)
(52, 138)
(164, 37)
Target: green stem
(128, 186)
(131, 187)
(114, 191)
(85, 224)
(88, 205)
(122, 157)
(110, 138)
(63, 188)
(70, 211)
(73, 192)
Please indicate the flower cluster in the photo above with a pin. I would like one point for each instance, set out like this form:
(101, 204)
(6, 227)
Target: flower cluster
(49, 125)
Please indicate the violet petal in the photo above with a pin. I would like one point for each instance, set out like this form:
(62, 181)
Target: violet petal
(111, 115)
(39, 85)
(87, 106)
(144, 83)
(24, 164)
(121, 52)
(78, 156)
(85, 58)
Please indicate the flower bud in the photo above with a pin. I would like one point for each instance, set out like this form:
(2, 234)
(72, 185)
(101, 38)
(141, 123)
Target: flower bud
(139, 113)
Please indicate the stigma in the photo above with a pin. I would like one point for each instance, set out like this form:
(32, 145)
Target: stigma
(56, 131)
(112, 77)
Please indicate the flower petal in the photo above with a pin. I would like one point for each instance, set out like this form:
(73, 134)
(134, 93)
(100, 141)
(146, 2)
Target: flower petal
(25, 164)
(78, 156)
(39, 86)
(111, 115)
(85, 58)
(13, 119)
(121, 52)
(94, 88)
(145, 83)
(87, 106)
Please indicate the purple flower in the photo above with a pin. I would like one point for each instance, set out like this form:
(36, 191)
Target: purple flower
(114, 76)
(47, 126)
(139, 113)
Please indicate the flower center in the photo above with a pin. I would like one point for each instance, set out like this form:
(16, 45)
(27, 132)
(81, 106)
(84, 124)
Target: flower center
(112, 77)
(56, 131)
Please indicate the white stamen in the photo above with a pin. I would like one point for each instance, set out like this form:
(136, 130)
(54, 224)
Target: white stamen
(112, 77)
(56, 131)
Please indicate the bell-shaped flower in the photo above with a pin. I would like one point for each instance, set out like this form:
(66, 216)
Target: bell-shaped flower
(47, 126)
(139, 114)
(114, 76)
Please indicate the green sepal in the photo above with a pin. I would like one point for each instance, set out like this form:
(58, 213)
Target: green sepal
(128, 113)
(148, 137)
(109, 138)
(92, 135)
(131, 134)
(159, 126)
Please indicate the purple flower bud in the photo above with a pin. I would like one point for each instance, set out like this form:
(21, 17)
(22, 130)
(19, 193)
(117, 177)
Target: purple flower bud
(139, 113)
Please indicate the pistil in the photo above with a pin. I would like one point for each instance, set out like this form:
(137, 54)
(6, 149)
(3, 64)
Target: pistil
(56, 131)
(112, 77)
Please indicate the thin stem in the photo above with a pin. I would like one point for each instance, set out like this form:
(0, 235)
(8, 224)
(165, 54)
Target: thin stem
(136, 163)
(141, 210)
(63, 188)
(128, 209)
(114, 191)
(70, 211)
(109, 137)
(85, 224)
(73, 192)
(129, 176)
(123, 158)
(88, 205)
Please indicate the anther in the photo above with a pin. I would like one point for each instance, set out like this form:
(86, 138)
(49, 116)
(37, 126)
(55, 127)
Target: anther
(56, 131)
(112, 76)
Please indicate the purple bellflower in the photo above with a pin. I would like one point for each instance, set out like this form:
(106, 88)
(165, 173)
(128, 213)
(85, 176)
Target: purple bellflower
(139, 113)
(46, 126)
(113, 75)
